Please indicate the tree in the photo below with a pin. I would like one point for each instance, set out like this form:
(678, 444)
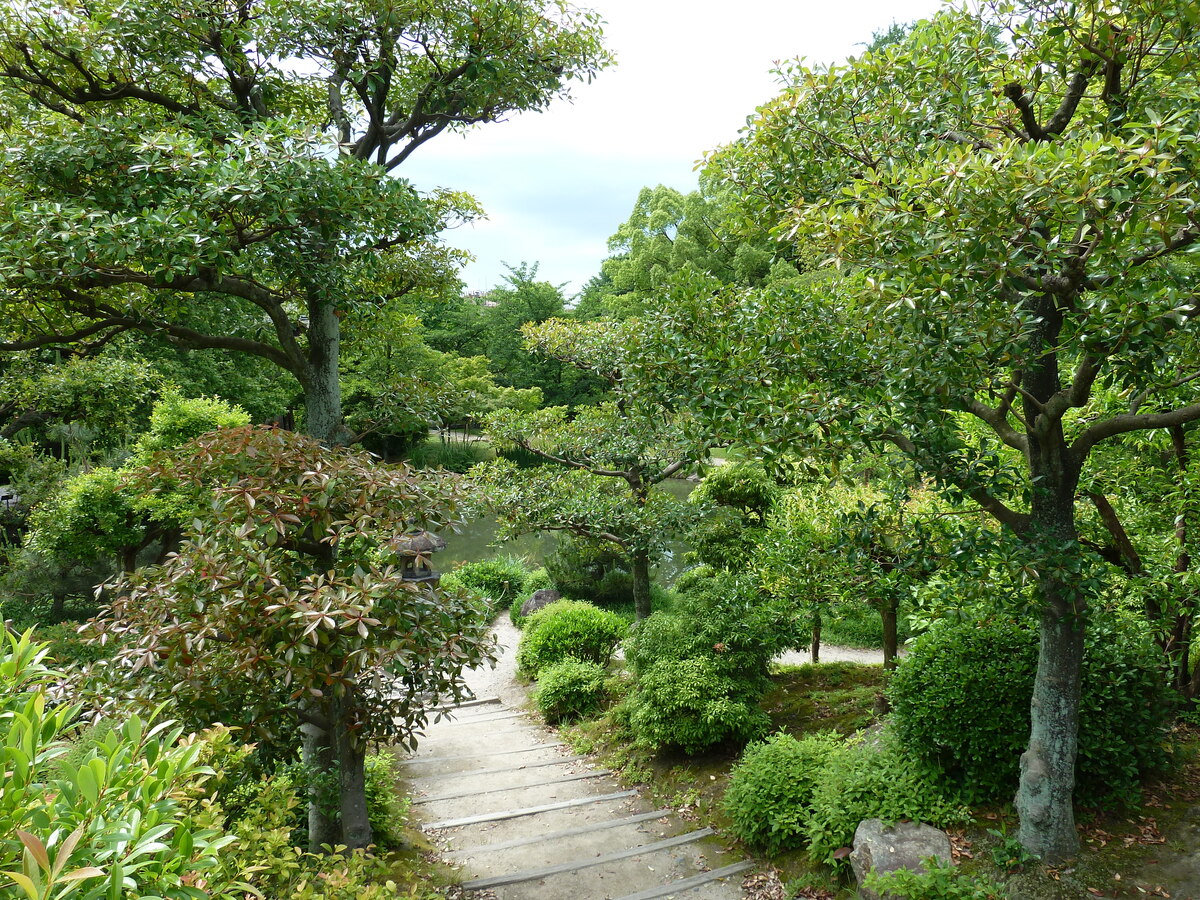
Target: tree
(604, 462)
(668, 232)
(521, 301)
(1007, 194)
(290, 584)
(166, 162)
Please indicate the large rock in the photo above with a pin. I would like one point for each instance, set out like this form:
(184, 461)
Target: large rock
(883, 849)
(539, 599)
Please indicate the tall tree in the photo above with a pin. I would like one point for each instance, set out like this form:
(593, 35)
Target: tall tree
(291, 585)
(603, 463)
(1007, 192)
(668, 232)
(164, 156)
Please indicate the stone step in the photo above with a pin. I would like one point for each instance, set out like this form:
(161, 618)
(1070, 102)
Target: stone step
(520, 812)
(711, 885)
(547, 819)
(536, 780)
(487, 738)
(550, 848)
(637, 870)
(585, 862)
(517, 797)
(465, 775)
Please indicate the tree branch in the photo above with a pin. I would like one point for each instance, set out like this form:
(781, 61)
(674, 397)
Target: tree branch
(1016, 521)
(1130, 560)
(573, 464)
(1124, 424)
(1076, 88)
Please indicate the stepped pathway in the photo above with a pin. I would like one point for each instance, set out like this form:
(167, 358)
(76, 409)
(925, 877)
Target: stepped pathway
(525, 819)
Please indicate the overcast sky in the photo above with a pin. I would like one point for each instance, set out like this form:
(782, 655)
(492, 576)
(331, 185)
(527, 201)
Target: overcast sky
(556, 185)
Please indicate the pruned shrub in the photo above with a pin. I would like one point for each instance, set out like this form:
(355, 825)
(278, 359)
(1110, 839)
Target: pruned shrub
(715, 617)
(770, 789)
(961, 700)
(690, 705)
(569, 689)
(864, 780)
(568, 628)
(502, 579)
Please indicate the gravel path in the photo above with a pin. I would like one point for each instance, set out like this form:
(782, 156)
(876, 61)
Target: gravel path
(501, 681)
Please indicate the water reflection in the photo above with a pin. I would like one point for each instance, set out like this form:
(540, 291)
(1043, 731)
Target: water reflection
(476, 542)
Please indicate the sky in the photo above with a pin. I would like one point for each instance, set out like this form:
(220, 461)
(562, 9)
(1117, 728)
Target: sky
(555, 185)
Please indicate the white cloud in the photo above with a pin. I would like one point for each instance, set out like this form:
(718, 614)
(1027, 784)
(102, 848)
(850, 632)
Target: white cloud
(557, 184)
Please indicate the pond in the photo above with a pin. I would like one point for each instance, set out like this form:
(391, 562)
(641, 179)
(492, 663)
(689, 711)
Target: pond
(476, 541)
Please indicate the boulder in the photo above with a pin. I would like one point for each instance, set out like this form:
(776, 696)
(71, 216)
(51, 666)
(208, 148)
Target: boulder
(539, 599)
(883, 849)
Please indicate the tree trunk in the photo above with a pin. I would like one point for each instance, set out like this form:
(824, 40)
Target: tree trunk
(1044, 799)
(816, 635)
(889, 611)
(352, 786)
(641, 584)
(318, 755)
(322, 387)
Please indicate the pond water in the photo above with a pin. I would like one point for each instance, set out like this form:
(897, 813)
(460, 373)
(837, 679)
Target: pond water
(476, 541)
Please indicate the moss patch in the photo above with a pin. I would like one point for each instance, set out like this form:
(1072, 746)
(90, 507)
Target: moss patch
(841, 697)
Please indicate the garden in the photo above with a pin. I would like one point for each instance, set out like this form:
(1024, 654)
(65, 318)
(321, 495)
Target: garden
(909, 375)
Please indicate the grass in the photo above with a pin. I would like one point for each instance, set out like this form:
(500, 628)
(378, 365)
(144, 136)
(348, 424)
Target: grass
(455, 456)
(842, 697)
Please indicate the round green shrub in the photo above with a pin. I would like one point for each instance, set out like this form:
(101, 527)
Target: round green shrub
(569, 689)
(689, 704)
(961, 700)
(568, 628)
(714, 617)
(770, 789)
(746, 487)
(501, 579)
(864, 780)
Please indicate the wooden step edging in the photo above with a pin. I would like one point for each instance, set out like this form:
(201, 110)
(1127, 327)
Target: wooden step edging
(425, 759)
(555, 835)
(512, 787)
(479, 884)
(467, 704)
(480, 720)
(472, 773)
(686, 884)
(526, 811)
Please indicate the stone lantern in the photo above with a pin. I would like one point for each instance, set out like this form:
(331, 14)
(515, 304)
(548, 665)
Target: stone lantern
(414, 550)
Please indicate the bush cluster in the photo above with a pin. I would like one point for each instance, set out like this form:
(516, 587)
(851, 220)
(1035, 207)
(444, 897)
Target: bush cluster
(717, 642)
(690, 705)
(569, 689)
(937, 882)
(568, 628)
(787, 793)
(503, 580)
(961, 700)
(770, 790)
(868, 780)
